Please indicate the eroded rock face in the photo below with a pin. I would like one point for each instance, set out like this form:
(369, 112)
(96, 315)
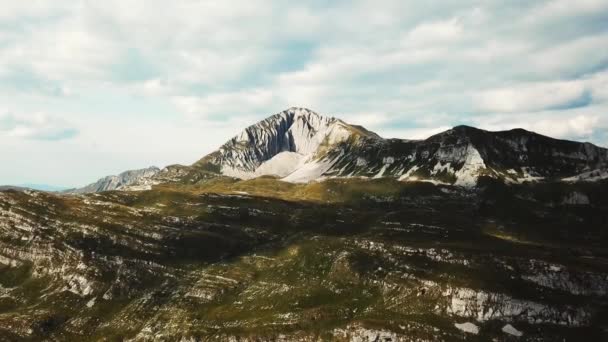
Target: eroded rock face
(299, 145)
(280, 144)
(128, 180)
(483, 306)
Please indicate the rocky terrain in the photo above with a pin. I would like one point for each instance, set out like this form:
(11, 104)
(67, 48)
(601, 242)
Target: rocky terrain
(221, 251)
(128, 180)
(299, 145)
(359, 260)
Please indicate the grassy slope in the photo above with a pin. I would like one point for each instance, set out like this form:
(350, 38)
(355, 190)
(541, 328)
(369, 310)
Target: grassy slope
(296, 258)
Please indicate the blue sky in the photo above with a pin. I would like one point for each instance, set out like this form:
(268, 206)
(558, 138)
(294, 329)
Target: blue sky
(89, 88)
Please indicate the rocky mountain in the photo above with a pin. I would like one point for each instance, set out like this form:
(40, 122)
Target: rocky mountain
(39, 187)
(291, 144)
(298, 145)
(129, 180)
(12, 187)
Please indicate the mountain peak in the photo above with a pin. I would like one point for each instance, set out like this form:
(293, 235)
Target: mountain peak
(301, 111)
(465, 128)
(308, 116)
(297, 112)
(279, 144)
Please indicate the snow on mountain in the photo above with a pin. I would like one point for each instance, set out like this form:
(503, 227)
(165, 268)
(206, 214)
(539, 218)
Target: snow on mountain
(299, 145)
(589, 176)
(281, 145)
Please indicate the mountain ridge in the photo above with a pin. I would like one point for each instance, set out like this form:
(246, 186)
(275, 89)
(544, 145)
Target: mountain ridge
(298, 145)
(140, 179)
(458, 156)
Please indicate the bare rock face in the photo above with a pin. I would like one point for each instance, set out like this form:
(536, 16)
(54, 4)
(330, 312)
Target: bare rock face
(280, 144)
(141, 178)
(299, 145)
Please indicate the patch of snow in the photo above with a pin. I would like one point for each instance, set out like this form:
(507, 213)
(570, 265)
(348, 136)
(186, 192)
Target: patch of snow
(468, 327)
(107, 295)
(91, 302)
(439, 167)
(381, 172)
(484, 306)
(529, 175)
(361, 161)
(589, 176)
(310, 171)
(468, 174)
(432, 181)
(236, 172)
(554, 268)
(509, 329)
(136, 187)
(409, 172)
(281, 165)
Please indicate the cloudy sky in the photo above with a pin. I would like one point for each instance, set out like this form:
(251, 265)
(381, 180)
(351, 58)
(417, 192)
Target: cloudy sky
(89, 88)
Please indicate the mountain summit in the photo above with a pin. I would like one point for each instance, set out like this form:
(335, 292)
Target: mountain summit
(292, 145)
(299, 145)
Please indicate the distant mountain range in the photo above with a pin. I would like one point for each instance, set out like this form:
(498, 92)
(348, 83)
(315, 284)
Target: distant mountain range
(119, 181)
(40, 187)
(298, 145)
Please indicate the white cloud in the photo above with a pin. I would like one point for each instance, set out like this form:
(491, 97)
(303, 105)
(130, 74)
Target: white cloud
(412, 133)
(577, 124)
(529, 97)
(368, 119)
(231, 103)
(39, 126)
(35, 8)
(598, 84)
(153, 87)
(570, 57)
(558, 9)
(69, 50)
(577, 127)
(443, 31)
